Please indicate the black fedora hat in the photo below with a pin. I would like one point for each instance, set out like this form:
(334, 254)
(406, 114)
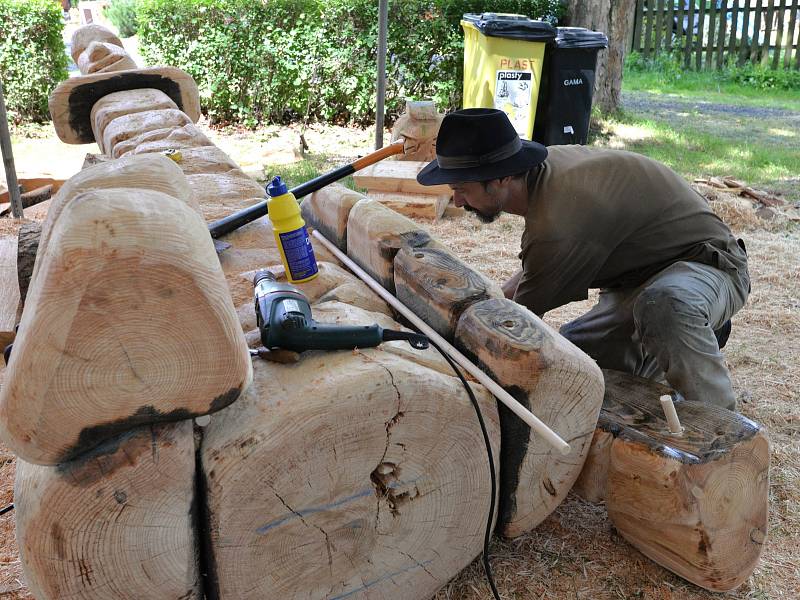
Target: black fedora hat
(479, 144)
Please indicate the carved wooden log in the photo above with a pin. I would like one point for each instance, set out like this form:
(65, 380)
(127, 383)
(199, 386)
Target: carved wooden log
(205, 160)
(696, 504)
(438, 287)
(328, 210)
(232, 190)
(114, 523)
(374, 236)
(103, 57)
(27, 245)
(131, 125)
(9, 290)
(127, 322)
(397, 176)
(552, 378)
(84, 36)
(592, 483)
(159, 140)
(369, 474)
(120, 104)
(417, 206)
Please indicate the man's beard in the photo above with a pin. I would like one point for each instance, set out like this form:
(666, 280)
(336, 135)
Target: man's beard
(482, 217)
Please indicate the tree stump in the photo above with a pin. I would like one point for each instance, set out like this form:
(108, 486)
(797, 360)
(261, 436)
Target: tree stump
(328, 211)
(696, 504)
(117, 522)
(552, 378)
(127, 322)
(349, 473)
(438, 287)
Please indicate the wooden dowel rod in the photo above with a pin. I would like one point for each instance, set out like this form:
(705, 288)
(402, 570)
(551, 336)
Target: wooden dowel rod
(523, 413)
(673, 422)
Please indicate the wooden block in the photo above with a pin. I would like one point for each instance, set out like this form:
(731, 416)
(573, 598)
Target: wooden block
(31, 184)
(103, 57)
(115, 523)
(420, 206)
(438, 287)
(365, 478)
(556, 381)
(129, 126)
(84, 36)
(9, 290)
(397, 176)
(696, 504)
(72, 101)
(592, 483)
(376, 233)
(119, 104)
(128, 322)
(328, 210)
(160, 140)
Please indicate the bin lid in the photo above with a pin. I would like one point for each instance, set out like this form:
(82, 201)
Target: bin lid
(578, 37)
(517, 27)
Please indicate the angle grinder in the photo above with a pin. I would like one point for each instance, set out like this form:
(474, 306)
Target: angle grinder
(284, 320)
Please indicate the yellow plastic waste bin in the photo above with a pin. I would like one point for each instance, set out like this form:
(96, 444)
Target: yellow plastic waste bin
(503, 56)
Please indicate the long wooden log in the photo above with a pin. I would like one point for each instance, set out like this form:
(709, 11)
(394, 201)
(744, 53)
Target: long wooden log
(697, 503)
(160, 140)
(550, 377)
(119, 104)
(117, 522)
(131, 125)
(347, 474)
(127, 322)
(329, 209)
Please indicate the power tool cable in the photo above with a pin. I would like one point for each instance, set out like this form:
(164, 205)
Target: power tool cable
(493, 477)
(6, 509)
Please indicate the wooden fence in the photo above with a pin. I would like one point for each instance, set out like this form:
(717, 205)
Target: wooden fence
(706, 33)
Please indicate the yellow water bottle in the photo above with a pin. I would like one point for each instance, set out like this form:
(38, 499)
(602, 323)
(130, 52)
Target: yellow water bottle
(290, 233)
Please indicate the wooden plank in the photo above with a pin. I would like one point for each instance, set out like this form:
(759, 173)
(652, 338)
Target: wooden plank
(723, 23)
(669, 23)
(776, 57)
(9, 290)
(637, 26)
(732, 35)
(794, 8)
(755, 47)
(680, 40)
(396, 176)
(690, 37)
(648, 32)
(701, 19)
(712, 15)
(770, 13)
(425, 206)
(659, 27)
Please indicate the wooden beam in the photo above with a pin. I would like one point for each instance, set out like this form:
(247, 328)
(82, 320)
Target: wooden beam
(417, 206)
(397, 176)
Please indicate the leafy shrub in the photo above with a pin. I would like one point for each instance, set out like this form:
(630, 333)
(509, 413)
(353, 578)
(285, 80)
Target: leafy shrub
(281, 60)
(32, 56)
(763, 78)
(122, 13)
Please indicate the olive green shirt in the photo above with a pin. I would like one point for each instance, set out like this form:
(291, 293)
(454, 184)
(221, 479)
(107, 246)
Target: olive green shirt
(602, 218)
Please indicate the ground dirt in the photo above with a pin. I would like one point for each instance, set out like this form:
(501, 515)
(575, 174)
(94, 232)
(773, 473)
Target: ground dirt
(576, 553)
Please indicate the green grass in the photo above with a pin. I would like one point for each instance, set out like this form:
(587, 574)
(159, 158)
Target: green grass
(695, 153)
(304, 170)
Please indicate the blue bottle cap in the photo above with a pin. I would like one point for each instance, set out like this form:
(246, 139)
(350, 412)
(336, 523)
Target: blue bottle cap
(276, 187)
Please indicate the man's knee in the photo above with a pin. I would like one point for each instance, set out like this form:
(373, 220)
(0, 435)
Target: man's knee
(661, 311)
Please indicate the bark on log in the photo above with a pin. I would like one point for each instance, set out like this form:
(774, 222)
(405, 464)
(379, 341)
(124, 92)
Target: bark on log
(328, 210)
(374, 236)
(696, 504)
(120, 104)
(27, 245)
(615, 19)
(380, 483)
(9, 290)
(128, 322)
(438, 287)
(114, 523)
(552, 378)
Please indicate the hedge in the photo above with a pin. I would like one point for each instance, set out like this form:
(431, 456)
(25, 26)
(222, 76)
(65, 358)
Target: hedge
(261, 61)
(32, 56)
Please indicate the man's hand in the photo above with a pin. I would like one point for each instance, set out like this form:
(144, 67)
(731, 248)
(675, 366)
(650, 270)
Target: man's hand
(510, 286)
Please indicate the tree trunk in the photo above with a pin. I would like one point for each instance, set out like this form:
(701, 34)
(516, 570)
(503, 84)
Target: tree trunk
(615, 19)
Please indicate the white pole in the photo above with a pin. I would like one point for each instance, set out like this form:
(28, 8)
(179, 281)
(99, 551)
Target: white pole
(673, 422)
(523, 413)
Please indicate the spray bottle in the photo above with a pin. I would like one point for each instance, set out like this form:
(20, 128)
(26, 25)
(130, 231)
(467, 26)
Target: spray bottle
(290, 233)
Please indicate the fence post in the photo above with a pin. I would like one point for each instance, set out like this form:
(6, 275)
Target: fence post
(778, 35)
(755, 49)
(712, 13)
(701, 21)
(689, 32)
(648, 30)
(787, 57)
(637, 26)
(732, 36)
(720, 44)
(768, 31)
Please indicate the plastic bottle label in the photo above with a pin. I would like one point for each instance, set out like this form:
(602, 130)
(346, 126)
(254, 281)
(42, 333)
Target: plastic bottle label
(300, 259)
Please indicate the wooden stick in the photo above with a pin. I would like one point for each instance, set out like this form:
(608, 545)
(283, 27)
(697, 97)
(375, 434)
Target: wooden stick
(8, 160)
(673, 422)
(523, 413)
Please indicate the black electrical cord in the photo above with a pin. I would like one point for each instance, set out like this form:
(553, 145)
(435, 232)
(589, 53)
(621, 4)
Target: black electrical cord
(493, 478)
(7, 509)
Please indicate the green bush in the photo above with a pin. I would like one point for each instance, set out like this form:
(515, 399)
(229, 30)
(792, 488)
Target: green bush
(122, 13)
(282, 60)
(763, 78)
(32, 56)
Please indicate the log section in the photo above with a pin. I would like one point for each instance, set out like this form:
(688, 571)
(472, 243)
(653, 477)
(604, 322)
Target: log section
(376, 233)
(552, 378)
(84, 36)
(127, 322)
(103, 57)
(328, 210)
(347, 474)
(417, 206)
(9, 290)
(27, 245)
(397, 176)
(114, 523)
(696, 504)
(131, 125)
(119, 104)
(159, 140)
(438, 287)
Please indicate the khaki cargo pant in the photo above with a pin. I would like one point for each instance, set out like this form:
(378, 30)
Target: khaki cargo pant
(665, 328)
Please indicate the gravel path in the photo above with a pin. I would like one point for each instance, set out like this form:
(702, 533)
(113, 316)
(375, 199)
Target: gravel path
(646, 102)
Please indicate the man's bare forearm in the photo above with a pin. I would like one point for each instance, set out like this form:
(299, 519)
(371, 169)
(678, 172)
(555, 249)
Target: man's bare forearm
(510, 286)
